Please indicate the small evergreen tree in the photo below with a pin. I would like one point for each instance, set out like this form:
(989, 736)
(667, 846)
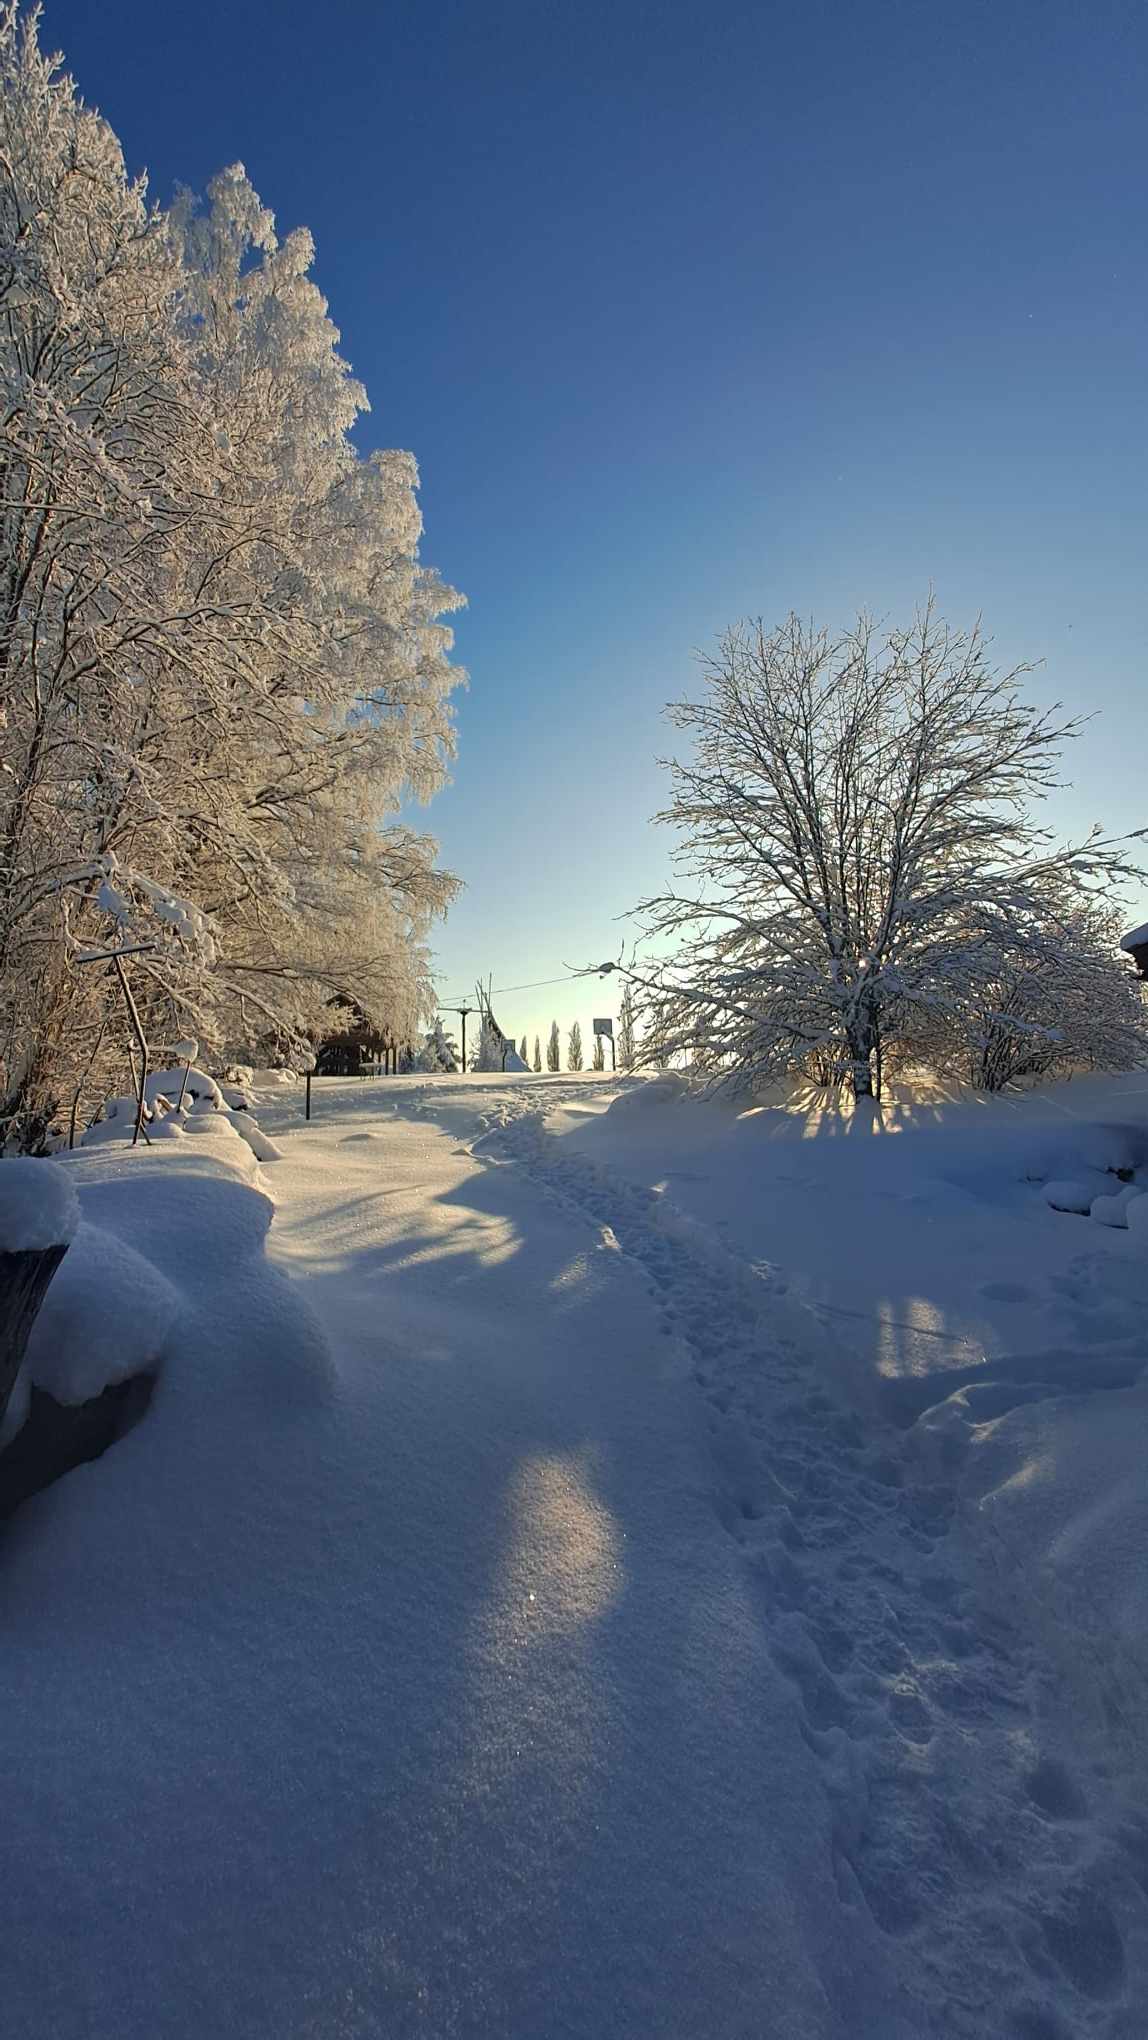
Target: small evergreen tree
(524, 1053)
(627, 1041)
(598, 1059)
(574, 1048)
(554, 1048)
(537, 1056)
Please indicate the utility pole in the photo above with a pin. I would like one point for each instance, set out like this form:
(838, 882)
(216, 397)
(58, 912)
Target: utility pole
(462, 1012)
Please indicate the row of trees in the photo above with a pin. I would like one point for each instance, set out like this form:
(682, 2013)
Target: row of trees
(625, 1043)
(441, 1052)
(222, 667)
(863, 883)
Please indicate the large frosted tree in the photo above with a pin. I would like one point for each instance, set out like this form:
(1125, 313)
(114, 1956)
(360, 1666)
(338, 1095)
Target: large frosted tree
(862, 871)
(223, 670)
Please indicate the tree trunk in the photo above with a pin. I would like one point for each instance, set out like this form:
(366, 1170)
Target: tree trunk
(860, 1038)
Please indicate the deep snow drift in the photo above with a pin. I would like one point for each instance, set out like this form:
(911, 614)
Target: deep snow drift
(653, 1570)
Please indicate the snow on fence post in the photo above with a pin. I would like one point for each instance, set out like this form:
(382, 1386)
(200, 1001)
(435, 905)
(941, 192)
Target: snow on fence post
(38, 1215)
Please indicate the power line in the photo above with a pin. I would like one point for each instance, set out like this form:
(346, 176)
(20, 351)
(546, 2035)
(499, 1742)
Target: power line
(503, 991)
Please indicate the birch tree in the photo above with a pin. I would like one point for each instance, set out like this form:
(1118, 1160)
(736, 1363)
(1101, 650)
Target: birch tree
(858, 849)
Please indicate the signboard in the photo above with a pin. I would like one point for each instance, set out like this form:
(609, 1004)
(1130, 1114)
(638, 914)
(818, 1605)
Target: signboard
(604, 1027)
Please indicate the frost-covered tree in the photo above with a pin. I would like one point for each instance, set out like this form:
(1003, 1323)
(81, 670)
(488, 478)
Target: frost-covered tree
(438, 1052)
(491, 1049)
(574, 1047)
(1066, 1001)
(598, 1053)
(627, 1043)
(222, 669)
(856, 826)
(554, 1048)
(537, 1056)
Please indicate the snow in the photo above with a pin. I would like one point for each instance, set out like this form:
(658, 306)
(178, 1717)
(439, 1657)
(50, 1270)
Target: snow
(37, 1206)
(650, 1571)
(106, 1316)
(1113, 1209)
(1070, 1196)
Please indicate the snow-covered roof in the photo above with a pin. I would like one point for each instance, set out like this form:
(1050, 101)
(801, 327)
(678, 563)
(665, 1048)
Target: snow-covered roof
(1136, 938)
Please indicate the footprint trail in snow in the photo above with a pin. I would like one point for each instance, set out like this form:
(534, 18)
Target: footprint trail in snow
(1009, 1884)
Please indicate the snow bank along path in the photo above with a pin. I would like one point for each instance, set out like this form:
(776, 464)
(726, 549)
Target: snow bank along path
(537, 1639)
(397, 1675)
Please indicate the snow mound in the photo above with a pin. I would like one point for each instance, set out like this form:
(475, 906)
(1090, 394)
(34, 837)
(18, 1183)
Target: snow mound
(1136, 1214)
(261, 1146)
(646, 1096)
(206, 1108)
(1106, 1148)
(38, 1206)
(1069, 1196)
(105, 1317)
(1113, 1210)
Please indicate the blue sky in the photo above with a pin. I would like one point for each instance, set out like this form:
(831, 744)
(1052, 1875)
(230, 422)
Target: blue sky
(690, 312)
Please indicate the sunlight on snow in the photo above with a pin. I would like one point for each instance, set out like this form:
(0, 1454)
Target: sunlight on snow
(560, 1570)
(897, 1347)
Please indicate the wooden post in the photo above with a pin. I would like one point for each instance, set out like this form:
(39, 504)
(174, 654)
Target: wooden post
(307, 1104)
(137, 1028)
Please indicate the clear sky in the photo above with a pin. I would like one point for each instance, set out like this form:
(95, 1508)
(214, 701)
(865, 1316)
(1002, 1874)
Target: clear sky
(690, 311)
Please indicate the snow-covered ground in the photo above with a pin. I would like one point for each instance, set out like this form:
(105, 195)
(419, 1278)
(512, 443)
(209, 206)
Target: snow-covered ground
(652, 1570)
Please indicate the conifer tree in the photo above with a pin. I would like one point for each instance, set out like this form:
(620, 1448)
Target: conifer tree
(554, 1048)
(598, 1059)
(574, 1048)
(537, 1056)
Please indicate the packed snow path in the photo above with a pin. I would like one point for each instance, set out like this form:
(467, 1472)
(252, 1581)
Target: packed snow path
(573, 1662)
(579, 1825)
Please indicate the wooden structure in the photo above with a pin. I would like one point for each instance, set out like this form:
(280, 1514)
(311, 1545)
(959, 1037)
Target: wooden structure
(354, 1043)
(1135, 945)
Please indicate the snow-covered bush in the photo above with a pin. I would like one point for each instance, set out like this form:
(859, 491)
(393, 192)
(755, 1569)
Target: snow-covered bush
(178, 1103)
